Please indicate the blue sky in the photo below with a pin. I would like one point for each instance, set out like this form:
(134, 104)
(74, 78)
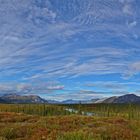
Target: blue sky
(70, 49)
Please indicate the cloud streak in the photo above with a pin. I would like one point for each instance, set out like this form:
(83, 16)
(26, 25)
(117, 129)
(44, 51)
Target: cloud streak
(54, 40)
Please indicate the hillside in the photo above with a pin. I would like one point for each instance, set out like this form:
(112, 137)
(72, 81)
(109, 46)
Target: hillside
(128, 98)
(14, 98)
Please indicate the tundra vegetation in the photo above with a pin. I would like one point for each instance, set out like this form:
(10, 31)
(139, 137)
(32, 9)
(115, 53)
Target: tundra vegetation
(70, 122)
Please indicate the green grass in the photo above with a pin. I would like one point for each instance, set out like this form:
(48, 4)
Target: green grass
(75, 136)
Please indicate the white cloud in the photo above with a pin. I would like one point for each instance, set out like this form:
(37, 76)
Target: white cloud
(132, 24)
(30, 88)
(127, 9)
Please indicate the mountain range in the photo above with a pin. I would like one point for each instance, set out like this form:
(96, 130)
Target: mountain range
(14, 98)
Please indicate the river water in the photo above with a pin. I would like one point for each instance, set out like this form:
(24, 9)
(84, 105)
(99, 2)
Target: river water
(71, 110)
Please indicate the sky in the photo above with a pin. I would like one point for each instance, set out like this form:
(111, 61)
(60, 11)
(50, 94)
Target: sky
(70, 49)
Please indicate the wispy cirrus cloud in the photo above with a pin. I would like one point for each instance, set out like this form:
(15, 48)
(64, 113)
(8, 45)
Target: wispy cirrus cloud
(108, 85)
(28, 88)
(54, 40)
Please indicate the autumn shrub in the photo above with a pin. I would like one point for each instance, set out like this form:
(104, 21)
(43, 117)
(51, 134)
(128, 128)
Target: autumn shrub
(75, 136)
(8, 133)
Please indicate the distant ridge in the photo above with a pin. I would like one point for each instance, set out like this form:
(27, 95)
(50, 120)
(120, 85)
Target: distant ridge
(107, 100)
(14, 98)
(79, 101)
